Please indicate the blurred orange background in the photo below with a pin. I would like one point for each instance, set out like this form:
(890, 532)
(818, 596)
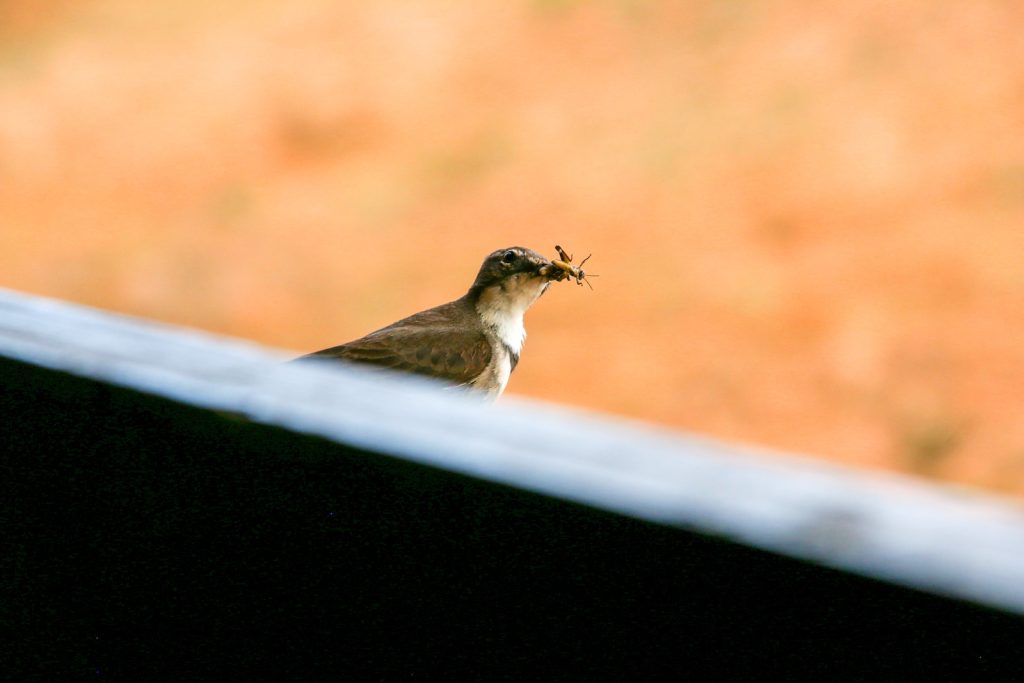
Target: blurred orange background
(808, 217)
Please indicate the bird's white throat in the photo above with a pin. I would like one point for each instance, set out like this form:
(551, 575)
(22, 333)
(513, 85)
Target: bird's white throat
(501, 307)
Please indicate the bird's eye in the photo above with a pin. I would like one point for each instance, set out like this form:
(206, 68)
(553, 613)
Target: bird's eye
(508, 257)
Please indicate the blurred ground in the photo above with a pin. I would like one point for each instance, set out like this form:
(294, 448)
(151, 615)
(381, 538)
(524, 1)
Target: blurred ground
(808, 217)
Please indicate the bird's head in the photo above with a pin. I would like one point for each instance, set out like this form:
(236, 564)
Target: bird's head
(516, 274)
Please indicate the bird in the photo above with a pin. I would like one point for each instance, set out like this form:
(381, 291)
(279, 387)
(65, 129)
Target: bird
(474, 341)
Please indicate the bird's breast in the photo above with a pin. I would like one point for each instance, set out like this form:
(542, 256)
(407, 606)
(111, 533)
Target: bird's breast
(506, 324)
(494, 378)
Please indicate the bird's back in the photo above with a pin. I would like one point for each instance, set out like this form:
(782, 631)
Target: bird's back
(441, 342)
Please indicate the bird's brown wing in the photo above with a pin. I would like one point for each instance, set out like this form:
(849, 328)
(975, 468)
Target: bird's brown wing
(444, 353)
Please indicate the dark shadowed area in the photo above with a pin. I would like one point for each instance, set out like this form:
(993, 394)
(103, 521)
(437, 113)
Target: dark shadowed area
(154, 539)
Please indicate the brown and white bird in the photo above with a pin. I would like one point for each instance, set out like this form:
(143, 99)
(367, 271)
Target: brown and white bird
(474, 341)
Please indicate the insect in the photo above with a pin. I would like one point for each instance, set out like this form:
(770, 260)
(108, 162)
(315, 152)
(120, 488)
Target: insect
(564, 264)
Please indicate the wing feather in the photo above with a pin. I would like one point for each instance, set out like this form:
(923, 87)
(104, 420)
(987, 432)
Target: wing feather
(457, 357)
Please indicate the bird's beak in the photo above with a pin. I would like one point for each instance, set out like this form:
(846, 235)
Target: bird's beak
(540, 266)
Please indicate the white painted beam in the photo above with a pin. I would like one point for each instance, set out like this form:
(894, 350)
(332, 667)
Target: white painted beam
(945, 540)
